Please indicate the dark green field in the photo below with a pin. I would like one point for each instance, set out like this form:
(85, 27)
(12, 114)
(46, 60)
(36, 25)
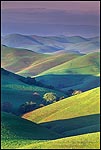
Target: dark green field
(17, 92)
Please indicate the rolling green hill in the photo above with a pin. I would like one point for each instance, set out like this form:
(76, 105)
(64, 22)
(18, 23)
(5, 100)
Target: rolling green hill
(22, 134)
(45, 64)
(77, 73)
(72, 122)
(86, 141)
(78, 114)
(87, 64)
(17, 131)
(79, 120)
(16, 59)
(30, 63)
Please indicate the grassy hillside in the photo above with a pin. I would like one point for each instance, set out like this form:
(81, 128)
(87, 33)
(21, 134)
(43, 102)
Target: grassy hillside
(52, 61)
(77, 112)
(17, 92)
(79, 120)
(77, 73)
(89, 82)
(16, 59)
(27, 63)
(22, 134)
(87, 64)
(86, 141)
(17, 131)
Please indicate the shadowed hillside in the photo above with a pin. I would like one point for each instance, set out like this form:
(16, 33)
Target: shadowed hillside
(79, 73)
(17, 131)
(16, 90)
(22, 134)
(75, 126)
(70, 81)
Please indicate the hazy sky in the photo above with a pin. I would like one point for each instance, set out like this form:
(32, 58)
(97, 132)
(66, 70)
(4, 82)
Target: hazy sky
(81, 6)
(36, 16)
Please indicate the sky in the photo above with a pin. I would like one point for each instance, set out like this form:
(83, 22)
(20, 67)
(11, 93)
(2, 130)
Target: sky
(50, 17)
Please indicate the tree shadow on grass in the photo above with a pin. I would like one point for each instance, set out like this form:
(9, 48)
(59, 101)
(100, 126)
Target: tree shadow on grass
(75, 126)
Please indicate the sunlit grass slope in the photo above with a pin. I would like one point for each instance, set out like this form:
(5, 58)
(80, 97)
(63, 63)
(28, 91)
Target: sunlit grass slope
(30, 63)
(49, 62)
(87, 103)
(16, 132)
(72, 116)
(86, 141)
(16, 59)
(87, 64)
(26, 62)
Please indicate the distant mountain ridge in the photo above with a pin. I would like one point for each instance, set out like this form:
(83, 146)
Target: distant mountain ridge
(51, 44)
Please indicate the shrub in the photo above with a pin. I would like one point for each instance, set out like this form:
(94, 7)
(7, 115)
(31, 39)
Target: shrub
(41, 105)
(61, 98)
(76, 92)
(36, 94)
(26, 107)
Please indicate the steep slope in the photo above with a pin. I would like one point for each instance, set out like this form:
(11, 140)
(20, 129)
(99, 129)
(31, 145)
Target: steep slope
(14, 90)
(17, 131)
(76, 115)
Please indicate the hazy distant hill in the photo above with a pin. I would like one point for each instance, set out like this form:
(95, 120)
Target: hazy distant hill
(50, 44)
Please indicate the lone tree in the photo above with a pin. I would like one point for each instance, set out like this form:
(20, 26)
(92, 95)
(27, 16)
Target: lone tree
(50, 98)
